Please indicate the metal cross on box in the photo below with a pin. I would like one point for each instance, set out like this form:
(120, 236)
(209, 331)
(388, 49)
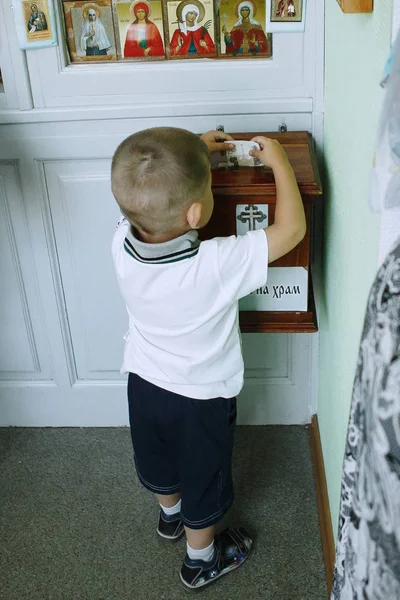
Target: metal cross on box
(251, 217)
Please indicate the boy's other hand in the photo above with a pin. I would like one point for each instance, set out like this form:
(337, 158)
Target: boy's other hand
(271, 153)
(217, 141)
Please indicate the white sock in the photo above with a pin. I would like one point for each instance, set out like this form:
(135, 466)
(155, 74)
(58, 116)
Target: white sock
(173, 509)
(205, 554)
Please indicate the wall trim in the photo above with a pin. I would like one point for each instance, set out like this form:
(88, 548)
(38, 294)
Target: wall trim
(325, 519)
(283, 107)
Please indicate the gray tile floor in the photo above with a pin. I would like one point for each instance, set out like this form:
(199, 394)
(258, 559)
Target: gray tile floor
(76, 525)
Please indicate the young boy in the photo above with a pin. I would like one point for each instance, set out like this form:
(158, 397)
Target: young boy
(183, 350)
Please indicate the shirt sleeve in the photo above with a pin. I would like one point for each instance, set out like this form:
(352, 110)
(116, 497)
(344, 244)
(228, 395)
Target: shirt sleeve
(243, 263)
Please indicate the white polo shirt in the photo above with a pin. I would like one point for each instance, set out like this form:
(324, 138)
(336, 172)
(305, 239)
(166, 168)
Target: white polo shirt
(182, 300)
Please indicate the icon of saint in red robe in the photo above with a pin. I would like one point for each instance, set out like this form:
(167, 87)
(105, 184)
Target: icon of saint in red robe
(191, 38)
(247, 35)
(143, 37)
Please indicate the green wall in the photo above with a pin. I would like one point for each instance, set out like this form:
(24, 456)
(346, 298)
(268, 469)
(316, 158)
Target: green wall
(356, 49)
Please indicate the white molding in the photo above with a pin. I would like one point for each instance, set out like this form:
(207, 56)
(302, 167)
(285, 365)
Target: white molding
(24, 384)
(4, 197)
(56, 275)
(98, 139)
(102, 383)
(44, 406)
(196, 108)
(32, 58)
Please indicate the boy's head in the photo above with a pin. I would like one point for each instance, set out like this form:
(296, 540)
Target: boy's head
(161, 180)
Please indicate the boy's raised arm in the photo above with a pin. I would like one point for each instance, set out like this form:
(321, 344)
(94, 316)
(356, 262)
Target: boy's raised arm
(289, 227)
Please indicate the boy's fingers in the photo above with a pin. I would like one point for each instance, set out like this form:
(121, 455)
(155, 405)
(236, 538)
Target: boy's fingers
(222, 146)
(221, 135)
(260, 140)
(226, 146)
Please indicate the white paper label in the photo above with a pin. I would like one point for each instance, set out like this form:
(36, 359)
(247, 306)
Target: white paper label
(286, 289)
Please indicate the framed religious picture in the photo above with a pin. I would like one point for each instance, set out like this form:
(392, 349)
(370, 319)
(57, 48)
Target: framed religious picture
(90, 31)
(35, 23)
(191, 29)
(140, 29)
(242, 30)
(286, 16)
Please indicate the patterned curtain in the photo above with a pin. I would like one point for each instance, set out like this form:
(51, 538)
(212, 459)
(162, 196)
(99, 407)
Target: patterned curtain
(367, 563)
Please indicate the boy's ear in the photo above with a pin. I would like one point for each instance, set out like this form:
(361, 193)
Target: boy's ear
(193, 215)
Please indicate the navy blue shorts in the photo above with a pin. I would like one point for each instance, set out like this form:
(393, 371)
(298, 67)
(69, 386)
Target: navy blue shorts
(184, 445)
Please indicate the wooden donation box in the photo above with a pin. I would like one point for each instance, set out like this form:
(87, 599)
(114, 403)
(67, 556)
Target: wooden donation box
(245, 199)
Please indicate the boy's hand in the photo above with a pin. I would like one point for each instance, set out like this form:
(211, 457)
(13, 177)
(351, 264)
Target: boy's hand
(271, 154)
(215, 141)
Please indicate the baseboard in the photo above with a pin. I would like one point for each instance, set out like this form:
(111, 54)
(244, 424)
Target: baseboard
(325, 521)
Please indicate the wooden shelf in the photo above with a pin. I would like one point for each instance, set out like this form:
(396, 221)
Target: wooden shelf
(356, 6)
(281, 322)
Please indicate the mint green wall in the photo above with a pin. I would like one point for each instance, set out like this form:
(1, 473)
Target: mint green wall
(356, 50)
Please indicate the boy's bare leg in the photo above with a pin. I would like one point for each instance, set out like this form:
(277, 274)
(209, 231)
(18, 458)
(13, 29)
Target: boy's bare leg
(200, 538)
(168, 501)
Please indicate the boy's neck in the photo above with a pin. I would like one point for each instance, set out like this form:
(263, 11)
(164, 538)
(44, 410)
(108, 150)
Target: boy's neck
(148, 238)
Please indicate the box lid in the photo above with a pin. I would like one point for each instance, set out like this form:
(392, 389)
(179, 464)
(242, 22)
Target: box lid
(260, 180)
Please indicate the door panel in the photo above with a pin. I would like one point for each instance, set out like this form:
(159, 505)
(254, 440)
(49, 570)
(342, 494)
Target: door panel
(83, 214)
(63, 352)
(22, 338)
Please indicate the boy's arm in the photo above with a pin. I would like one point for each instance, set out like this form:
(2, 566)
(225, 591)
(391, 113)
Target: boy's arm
(289, 227)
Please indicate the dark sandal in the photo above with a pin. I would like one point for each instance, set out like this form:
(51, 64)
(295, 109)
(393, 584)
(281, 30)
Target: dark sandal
(170, 530)
(232, 547)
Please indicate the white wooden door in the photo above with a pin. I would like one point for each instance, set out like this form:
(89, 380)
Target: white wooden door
(62, 320)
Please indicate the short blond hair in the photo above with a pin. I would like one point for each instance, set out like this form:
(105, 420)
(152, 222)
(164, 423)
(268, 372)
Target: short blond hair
(157, 173)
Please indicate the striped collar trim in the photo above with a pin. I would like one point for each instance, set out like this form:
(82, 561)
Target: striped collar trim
(185, 246)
